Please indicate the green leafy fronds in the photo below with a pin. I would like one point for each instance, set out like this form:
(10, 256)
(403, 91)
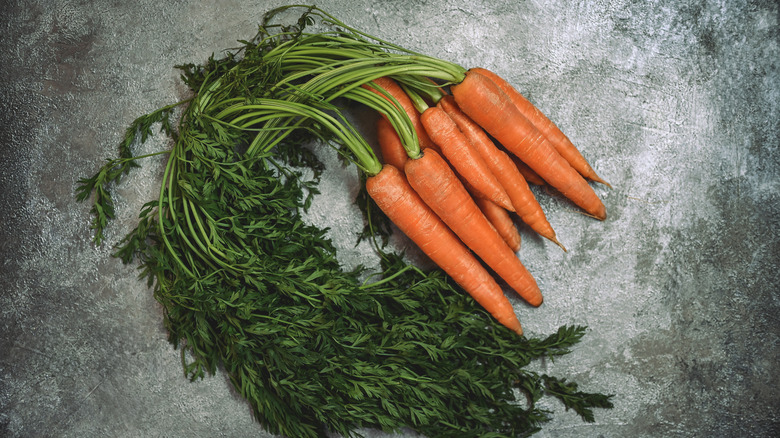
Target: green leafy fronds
(581, 402)
(113, 170)
(557, 344)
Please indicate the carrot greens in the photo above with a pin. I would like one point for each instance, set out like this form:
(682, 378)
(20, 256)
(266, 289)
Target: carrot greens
(247, 285)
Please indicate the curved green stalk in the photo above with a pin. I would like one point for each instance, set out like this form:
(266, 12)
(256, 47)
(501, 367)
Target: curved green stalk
(209, 247)
(264, 110)
(197, 247)
(167, 182)
(419, 103)
(354, 34)
(397, 118)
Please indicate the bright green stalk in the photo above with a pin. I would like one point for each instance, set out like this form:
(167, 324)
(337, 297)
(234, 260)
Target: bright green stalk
(417, 100)
(167, 183)
(345, 134)
(398, 119)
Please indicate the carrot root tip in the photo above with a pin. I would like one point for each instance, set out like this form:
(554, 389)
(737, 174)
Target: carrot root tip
(601, 181)
(557, 242)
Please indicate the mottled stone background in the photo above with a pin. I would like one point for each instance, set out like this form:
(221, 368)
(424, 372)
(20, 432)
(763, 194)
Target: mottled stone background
(674, 102)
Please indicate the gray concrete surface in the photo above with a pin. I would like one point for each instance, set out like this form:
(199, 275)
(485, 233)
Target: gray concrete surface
(674, 102)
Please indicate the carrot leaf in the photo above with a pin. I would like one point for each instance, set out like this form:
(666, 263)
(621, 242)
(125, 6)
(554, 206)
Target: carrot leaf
(580, 402)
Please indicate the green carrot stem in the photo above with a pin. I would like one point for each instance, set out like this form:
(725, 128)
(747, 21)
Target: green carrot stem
(167, 183)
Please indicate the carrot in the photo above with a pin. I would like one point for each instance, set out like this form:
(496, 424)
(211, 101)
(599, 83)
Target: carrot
(395, 91)
(559, 140)
(491, 108)
(390, 145)
(498, 217)
(463, 157)
(436, 183)
(530, 176)
(396, 198)
(501, 221)
(523, 200)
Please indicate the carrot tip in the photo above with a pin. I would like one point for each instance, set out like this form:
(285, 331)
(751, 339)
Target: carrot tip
(514, 325)
(555, 241)
(600, 181)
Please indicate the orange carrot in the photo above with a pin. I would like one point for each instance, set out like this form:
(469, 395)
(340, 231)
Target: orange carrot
(530, 176)
(436, 183)
(393, 151)
(498, 217)
(501, 221)
(559, 140)
(491, 108)
(466, 161)
(393, 89)
(523, 200)
(396, 198)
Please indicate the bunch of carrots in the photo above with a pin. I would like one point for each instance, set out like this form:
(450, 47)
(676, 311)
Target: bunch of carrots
(454, 198)
(246, 284)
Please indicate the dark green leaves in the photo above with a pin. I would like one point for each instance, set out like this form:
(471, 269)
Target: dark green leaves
(111, 172)
(581, 402)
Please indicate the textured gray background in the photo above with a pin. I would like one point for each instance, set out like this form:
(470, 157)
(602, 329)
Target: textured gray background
(675, 103)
